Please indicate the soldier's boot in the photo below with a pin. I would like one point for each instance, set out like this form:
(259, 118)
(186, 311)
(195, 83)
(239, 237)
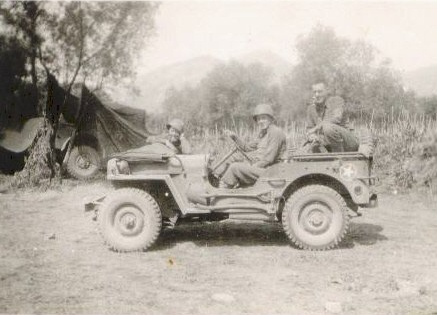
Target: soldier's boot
(223, 184)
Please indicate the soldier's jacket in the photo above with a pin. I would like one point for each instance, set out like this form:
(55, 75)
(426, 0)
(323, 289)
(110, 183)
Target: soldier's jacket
(179, 147)
(268, 148)
(331, 112)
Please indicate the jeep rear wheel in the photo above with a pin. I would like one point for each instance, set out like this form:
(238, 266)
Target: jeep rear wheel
(130, 220)
(315, 217)
(83, 162)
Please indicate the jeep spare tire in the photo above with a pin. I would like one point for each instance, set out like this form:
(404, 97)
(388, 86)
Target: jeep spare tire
(130, 220)
(315, 217)
(83, 162)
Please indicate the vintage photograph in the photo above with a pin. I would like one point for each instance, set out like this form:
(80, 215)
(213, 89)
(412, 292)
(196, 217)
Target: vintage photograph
(218, 157)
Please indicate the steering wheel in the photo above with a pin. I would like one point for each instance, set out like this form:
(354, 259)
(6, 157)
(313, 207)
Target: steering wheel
(240, 149)
(236, 148)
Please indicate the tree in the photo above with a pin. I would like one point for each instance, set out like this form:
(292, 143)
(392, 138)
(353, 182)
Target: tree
(17, 97)
(428, 106)
(226, 95)
(24, 18)
(94, 42)
(352, 69)
(98, 41)
(89, 41)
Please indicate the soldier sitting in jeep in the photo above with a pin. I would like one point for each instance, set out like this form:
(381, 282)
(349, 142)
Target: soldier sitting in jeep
(174, 138)
(264, 151)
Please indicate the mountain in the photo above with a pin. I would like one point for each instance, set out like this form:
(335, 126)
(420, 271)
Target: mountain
(423, 80)
(153, 85)
(279, 66)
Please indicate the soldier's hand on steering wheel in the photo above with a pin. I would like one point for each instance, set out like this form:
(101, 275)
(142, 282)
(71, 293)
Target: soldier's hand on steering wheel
(312, 137)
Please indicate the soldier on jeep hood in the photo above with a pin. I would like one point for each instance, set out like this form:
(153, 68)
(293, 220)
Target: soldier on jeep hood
(174, 137)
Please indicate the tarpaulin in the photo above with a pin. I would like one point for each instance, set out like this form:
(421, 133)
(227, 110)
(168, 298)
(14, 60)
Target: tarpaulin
(19, 139)
(115, 129)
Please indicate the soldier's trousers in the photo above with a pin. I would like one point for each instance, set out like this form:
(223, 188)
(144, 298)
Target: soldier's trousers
(242, 173)
(339, 139)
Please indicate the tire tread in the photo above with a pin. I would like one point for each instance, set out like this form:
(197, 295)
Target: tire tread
(155, 211)
(302, 192)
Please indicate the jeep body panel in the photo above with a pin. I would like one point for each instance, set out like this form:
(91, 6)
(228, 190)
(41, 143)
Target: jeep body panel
(186, 177)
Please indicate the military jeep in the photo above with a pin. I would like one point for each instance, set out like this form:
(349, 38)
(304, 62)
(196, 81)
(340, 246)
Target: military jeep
(312, 196)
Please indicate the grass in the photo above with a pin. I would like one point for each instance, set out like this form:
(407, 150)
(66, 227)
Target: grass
(405, 153)
(405, 156)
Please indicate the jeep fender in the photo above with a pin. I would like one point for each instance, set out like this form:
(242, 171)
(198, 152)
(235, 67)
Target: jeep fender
(164, 179)
(355, 190)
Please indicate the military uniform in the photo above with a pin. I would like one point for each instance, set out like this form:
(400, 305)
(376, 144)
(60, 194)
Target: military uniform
(181, 146)
(336, 135)
(268, 148)
(178, 146)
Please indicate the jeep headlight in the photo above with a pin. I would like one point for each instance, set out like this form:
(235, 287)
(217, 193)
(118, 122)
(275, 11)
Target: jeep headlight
(348, 172)
(117, 167)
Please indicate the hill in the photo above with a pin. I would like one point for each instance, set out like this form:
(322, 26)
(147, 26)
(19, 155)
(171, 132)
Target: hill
(279, 66)
(153, 85)
(423, 80)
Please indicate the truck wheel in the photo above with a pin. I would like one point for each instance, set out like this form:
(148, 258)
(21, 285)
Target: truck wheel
(83, 162)
(130, 220)
(315, 217)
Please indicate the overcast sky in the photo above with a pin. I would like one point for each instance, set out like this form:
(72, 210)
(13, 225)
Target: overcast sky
(404, 31)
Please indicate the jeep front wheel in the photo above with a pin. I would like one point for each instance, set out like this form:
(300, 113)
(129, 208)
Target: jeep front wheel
(130, 220)
(315, 217)
(83, 162)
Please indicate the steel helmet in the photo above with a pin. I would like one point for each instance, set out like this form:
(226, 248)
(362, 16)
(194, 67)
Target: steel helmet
(177, 124)
(263, 109)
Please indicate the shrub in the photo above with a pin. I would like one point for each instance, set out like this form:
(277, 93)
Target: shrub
(423, 164)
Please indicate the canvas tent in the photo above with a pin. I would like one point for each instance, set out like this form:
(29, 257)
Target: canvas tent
(115, 127)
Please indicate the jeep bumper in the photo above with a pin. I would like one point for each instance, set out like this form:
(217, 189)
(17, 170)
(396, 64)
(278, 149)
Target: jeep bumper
(373, 202)
(92, 203)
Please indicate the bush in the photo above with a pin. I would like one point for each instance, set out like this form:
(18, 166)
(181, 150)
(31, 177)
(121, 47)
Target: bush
(405, 155)
(423, 164)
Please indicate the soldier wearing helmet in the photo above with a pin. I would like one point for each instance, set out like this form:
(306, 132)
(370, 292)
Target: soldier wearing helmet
(265, 150)
(173, 138)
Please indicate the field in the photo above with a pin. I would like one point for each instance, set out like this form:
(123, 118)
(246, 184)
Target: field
(53, 260)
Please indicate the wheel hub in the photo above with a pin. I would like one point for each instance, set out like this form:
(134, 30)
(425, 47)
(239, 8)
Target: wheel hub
(316, 218)
(129, 221)
(83, 162)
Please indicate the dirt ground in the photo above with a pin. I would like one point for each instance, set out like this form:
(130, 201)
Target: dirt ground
(53, 260)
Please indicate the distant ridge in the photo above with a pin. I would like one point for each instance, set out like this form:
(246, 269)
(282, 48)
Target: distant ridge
(423, 80)
(154, 84)
(279, 66)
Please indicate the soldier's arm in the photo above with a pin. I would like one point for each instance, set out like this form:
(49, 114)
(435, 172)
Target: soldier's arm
(240, 143)
(335, 110)
(313, 123)
(156, 139)
(172, 147)
(185, 146)
(251, 146)
(274, 148)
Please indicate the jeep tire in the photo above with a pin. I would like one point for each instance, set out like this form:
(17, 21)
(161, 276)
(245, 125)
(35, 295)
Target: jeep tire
(83, 162)
(315, 217)
(130, 220)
